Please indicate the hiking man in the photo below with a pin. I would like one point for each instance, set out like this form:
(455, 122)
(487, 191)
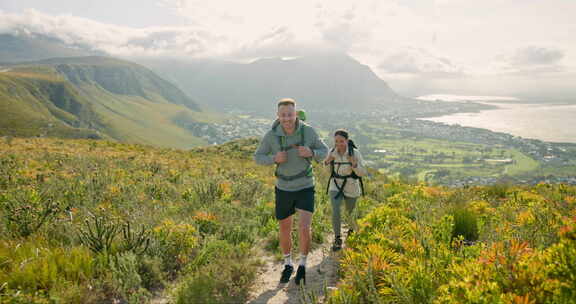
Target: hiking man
(292, 145)
(345, 183)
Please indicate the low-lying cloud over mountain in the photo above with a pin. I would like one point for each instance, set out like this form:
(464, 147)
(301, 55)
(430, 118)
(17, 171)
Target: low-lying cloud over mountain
(112, 39)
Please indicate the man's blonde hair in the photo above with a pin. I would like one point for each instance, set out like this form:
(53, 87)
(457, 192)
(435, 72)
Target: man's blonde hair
(286, 102)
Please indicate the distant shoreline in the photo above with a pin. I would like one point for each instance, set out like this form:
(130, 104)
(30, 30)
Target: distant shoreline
(534, 121)
(495, 99)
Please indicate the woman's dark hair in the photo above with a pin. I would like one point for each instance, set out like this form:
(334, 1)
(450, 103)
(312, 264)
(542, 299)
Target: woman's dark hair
(351, 145)
(341, 132)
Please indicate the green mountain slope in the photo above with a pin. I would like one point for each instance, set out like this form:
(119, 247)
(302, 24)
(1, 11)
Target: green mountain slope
(105, 97)
(119, 77)
(43, 104)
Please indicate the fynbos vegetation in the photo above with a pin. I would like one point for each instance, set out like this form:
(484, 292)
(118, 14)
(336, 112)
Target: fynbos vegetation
(497, 244)
(98, 222)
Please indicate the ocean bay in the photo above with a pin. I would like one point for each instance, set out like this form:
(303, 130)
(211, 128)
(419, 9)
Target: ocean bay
(547, 122)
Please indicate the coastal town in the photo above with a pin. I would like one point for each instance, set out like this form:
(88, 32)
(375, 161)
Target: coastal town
(545, 153)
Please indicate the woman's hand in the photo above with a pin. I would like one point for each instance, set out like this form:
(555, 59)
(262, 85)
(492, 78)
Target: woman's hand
(329, 159)
(353, 161)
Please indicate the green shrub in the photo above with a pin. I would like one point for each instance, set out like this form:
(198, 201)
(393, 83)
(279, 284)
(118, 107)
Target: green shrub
(206, 223)
(211, 250)
(207, 190)
(123, 278)
(135, 240)
(25, 211)
(174, 243)
(150, 272)
(15, 296)
(236, 234)
(34, 265)
(465, 224)
(246, 189)
(226, 278)
(98, 233)
(499, 190)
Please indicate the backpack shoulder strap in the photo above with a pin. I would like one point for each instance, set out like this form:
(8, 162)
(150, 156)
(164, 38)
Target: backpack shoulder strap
(331, 173)
(281, 139)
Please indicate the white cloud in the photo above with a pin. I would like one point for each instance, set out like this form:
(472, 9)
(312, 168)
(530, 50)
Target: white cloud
(532, 61)
(113, 39)
(342, 24)
(222, 28)
(417, 61)
(241, 22)
(533, 55)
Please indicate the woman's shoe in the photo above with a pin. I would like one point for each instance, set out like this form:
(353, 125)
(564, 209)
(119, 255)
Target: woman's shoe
(337, 244)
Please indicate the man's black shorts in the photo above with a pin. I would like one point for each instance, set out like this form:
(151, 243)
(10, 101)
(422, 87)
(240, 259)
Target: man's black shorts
(288, 201)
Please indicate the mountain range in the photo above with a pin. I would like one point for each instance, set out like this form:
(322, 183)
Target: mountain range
(332, 82)
(48, 87)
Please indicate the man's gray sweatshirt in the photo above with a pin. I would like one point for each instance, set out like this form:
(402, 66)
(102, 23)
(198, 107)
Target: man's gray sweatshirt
(295, 164)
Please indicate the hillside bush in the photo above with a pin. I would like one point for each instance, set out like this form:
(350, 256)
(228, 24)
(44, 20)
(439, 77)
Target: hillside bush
(465, 224)
(495, 244)
(86, 221)
(226, 278)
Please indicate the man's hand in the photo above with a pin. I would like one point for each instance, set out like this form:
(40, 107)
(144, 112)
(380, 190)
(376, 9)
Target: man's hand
(281, 157)
(304, 151)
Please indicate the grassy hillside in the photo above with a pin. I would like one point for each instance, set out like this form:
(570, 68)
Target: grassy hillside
(498, 244)
(86, 221)
(34, 104)
(139, 120)
(96, 97)
(94, 221)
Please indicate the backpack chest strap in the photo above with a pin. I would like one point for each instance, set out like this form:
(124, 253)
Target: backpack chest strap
(282, 141)
(284, 147)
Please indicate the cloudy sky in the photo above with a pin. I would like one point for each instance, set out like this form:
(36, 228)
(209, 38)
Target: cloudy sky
(490, 47)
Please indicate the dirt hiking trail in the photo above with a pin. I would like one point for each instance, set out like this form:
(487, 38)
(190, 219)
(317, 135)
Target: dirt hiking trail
(321, 275)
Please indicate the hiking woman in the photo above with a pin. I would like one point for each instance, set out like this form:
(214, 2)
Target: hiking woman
(345, 184)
